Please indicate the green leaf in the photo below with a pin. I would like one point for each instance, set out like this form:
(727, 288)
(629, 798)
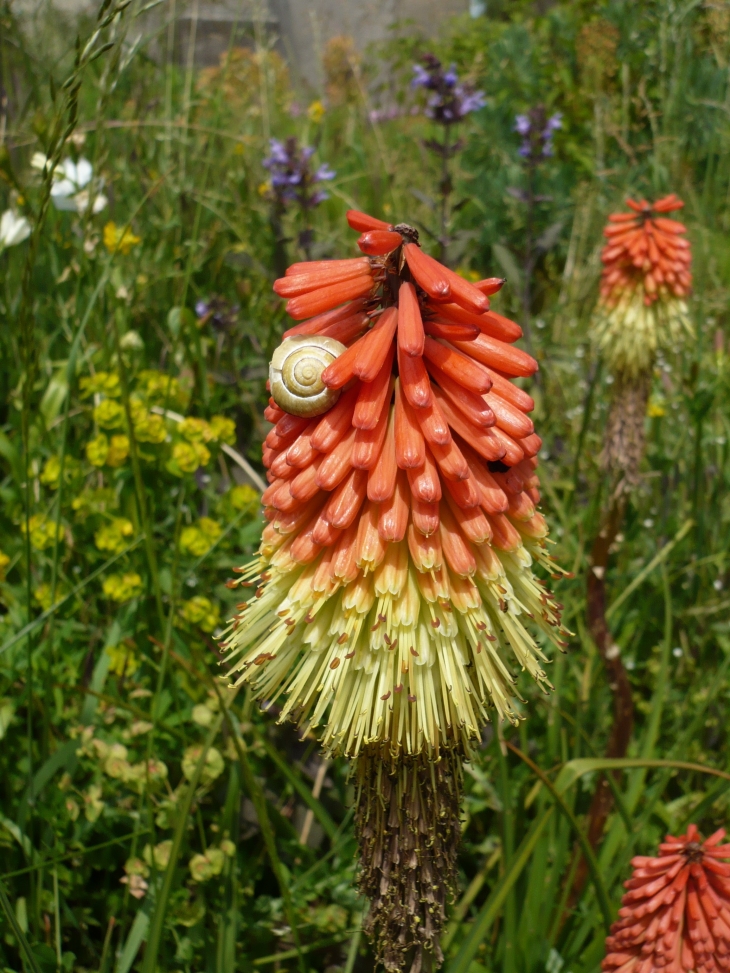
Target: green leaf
(490, 910)
(179, 318)
(574, 769)
(137, 935)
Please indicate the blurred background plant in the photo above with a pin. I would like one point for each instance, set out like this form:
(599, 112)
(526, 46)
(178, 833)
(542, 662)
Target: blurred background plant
(151, 818)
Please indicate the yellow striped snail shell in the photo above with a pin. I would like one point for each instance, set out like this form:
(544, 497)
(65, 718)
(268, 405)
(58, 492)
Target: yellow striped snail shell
(295, 374)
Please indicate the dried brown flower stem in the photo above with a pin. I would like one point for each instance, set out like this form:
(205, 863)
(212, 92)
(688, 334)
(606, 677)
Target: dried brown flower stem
(407, 823)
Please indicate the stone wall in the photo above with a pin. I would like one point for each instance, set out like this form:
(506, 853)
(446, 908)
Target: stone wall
(300, 28)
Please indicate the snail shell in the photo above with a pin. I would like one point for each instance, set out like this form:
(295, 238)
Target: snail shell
(295, 374)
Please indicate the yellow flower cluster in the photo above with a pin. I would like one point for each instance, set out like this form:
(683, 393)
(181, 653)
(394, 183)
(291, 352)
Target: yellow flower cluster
(4, 561)
(197, 539)
(101, 451)
(162, 389)
(51, 473)
(114, 536)
(119, 238)
(123, 660)
(244, 497)
(43, 532)
(201, 611)
(102, 383)
(122, 587)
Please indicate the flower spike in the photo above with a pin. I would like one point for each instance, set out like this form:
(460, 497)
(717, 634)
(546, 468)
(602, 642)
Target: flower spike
(675, 916)
(397, 591)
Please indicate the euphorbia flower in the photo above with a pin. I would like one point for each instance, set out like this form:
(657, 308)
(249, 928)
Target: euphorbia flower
(395, 584)
(675, 916)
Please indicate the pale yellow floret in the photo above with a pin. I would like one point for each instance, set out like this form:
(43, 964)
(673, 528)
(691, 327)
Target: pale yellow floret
(629, 334)
(397, 656)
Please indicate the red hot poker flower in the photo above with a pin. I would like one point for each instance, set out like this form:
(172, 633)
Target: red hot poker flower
(675, 916)
(646, 249)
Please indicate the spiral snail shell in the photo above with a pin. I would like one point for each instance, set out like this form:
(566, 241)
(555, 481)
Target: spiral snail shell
(295, 374)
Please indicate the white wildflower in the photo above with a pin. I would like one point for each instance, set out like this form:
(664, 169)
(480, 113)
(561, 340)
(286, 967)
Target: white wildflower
(13, 229)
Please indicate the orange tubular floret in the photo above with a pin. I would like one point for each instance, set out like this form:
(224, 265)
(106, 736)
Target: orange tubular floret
(437, 328)
(373, 396)
(366, 357)
(303, 549)
(304, 486)
(376, 346)
(509, 417)
(489, 322)
(301, 452)
(512, 393)
(393, 519)
(433, 425)
(335, 423)
(484, 440)
(376, 243)
(472, 522)
(460, 291)
(465, 493)
(451, 462)
(414, 381)
(291, 522)
(382, 476)
(425, 482)
(459, 368)
(362, 222)
(348, 330)
(370, 546)
(279, 468)
(504, 535)
(410, 323)
(342, 566)
(335, 465)
(490, 285)
(425, 517)
(521, 507)
(531, 445)
(409, 444)
(497, 354)
(327, 298)
(466, 295)
(271, 491)
(425, 550)
(472, 405)
(285, 431)
(294, 285)
(320, 323)
(342, 507)
(456, 550)
(333, 266)
(323, 533)
(369, 442)
(429, 275)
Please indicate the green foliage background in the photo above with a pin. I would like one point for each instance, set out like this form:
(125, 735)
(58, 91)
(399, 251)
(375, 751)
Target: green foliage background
(149, 817)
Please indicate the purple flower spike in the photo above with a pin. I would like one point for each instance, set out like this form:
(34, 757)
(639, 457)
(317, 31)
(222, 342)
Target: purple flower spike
(291, 175)
(450, 101)
(537, 130)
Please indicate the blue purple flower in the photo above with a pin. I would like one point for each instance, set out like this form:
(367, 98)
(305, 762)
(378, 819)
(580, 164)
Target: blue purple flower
(537, 130)
(291, 174)
(449, 101)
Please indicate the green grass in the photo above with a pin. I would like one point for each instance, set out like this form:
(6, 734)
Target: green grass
(123, 756)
